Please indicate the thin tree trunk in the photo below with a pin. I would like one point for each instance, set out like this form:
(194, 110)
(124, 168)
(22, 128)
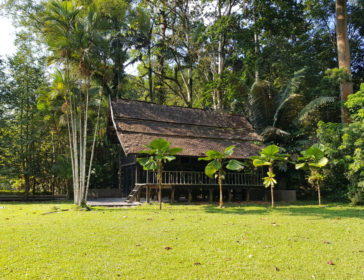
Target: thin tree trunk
(159, 177)
(319, 193)
(271, 188)
(221, 203)
(343, 52)
(256, 48)
(93, 149)
(83, 186)
(150, 75)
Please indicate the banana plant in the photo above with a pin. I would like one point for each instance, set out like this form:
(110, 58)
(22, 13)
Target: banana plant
(217, 163)
(313, 159)
(268, 156)
(159, 153)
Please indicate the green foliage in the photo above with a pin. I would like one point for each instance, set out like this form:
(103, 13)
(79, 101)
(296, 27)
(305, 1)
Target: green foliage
(314, 160)
(344, 148)
(160, 152)
(269, 181)
(218, 162)
(268, 156)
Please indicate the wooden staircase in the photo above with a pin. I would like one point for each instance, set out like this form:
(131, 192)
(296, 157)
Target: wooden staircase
(133, 194)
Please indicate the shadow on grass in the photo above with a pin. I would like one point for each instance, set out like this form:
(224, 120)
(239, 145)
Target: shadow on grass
(330, 211)
(44, 202)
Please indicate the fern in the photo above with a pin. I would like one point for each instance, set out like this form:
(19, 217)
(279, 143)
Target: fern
(314, 105)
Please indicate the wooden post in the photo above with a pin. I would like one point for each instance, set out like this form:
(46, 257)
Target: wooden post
(147, 194)
(211, 195)
(138, 196)
(230, 194)
(189, 196)
(172, 195)
(247, 195)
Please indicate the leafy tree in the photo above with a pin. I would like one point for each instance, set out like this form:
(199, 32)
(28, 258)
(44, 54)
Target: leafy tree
(314, 160)
(353, 146)
(268, 156)
(159, 153)
(218, 161)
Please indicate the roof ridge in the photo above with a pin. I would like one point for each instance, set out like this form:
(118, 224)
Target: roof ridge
(177, 106)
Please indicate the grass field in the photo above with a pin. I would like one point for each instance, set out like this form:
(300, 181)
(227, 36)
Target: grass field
(40, 241)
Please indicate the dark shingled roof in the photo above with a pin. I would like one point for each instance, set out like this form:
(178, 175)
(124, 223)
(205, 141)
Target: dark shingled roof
(195, 130)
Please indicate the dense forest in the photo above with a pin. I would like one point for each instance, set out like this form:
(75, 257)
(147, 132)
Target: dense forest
(284, 64)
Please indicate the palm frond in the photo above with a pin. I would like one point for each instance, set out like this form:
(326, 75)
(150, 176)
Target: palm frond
(289, 92)
(314, 105)
(260, 109)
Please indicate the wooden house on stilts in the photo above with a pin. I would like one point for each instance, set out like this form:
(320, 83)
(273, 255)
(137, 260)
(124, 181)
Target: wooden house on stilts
(135, 123)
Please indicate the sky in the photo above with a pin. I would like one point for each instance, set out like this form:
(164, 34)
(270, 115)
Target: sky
(7, 35)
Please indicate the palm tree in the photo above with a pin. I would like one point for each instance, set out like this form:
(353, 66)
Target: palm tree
(76, 34)
(266, 107)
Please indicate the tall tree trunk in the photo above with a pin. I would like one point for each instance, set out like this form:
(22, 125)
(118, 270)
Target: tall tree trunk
(221, 62)
(150, 75)
(256, 47)
(343, 52)
(160, 98)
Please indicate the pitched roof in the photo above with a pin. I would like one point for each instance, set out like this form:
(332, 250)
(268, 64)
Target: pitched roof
(195, 130)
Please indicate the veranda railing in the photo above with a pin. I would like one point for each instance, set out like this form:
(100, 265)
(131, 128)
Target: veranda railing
(199, 178)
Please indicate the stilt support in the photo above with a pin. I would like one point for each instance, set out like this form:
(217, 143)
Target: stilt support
(172, 195)
(189, 196)
(211, 195)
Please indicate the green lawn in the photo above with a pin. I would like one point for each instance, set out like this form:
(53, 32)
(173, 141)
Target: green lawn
(181, 242)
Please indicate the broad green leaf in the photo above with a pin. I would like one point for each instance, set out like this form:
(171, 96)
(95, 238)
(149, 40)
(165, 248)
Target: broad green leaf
(321, 163)
(210, 170)
(214, 154)
(174, 151)
(169, 158)
(314, 152)
(304, 158)
(216, 164)
(205, 158)
(255, 157)
(142, 161)
(151, 164)
(159, 144)
(259, 162)
(235, 165)
(229, 150)
(149, 152)
(270, 151)
(300, 165)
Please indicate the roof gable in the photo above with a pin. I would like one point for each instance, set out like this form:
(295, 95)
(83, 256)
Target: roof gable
(195, 130)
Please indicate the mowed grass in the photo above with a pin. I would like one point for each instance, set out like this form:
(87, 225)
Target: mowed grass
(181, 242)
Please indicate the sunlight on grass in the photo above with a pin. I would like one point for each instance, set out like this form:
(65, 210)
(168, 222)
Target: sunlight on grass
(53, 241)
